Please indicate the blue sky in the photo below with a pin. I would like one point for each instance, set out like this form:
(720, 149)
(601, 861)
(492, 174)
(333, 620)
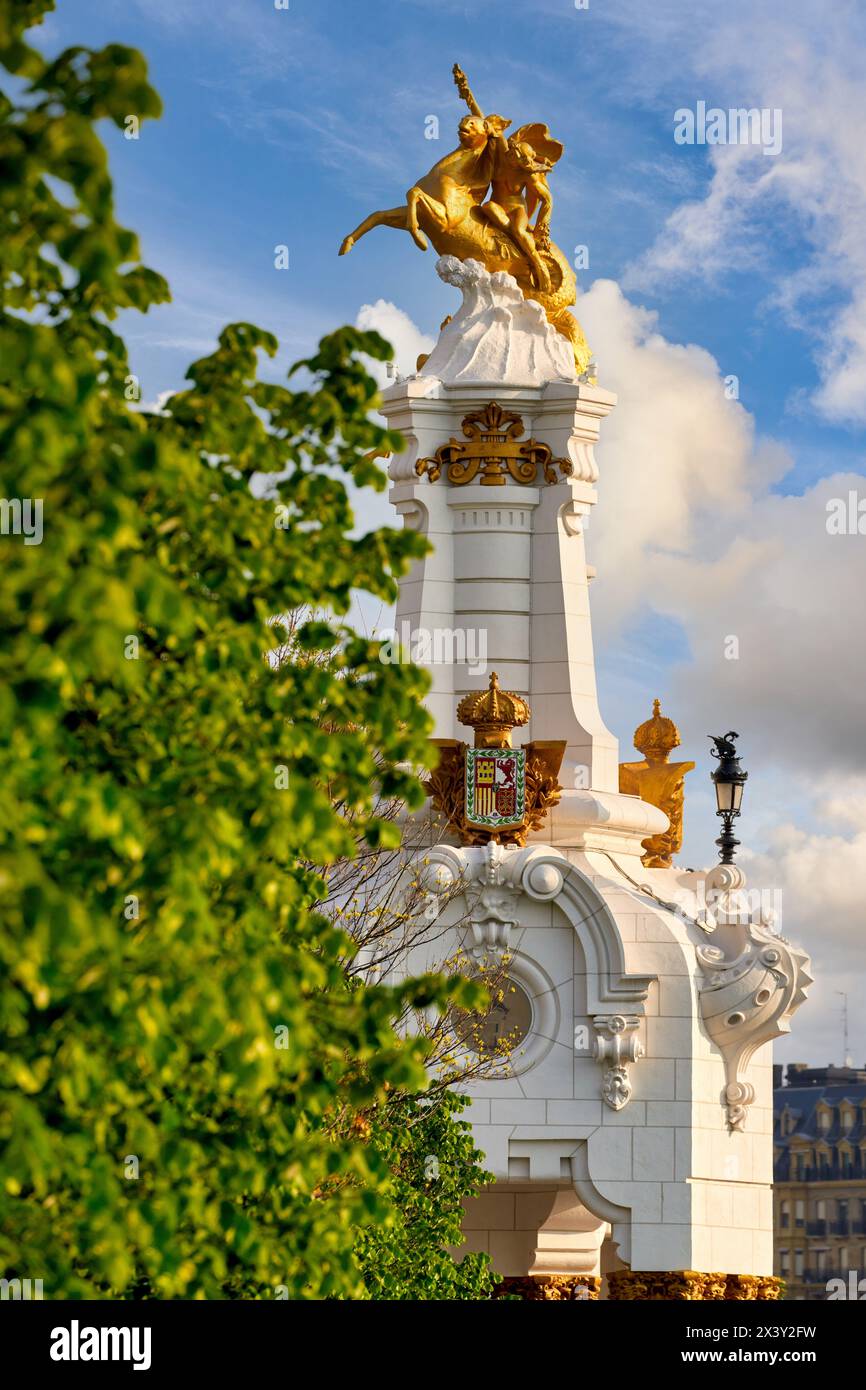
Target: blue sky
(287, 126)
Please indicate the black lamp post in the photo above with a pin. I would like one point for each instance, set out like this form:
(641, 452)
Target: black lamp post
(729, 779)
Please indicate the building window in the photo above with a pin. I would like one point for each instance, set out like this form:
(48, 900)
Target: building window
(843, 1257)
(821, 1210)
(800, 1214)
(798, 1263)
(785, 1215)
(784, 1263)
(825, 1119)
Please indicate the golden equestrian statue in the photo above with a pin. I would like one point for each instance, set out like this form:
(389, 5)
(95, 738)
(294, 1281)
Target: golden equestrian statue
(451, 206)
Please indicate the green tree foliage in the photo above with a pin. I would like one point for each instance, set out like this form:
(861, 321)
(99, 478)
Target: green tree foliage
(162, 784)
(434, 1163)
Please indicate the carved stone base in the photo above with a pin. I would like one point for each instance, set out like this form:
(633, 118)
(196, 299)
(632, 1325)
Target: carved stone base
(689, 1284)
(552, 1288)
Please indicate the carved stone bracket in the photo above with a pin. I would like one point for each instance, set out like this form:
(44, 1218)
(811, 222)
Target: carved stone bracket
(617, 1045)
(493, 909)
(752, 985)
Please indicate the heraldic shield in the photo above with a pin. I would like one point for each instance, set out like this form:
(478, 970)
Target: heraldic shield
(494, 791)
(495, 787)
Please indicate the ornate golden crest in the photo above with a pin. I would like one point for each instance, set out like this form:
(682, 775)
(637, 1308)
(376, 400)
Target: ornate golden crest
(494, 447)
(530, 789)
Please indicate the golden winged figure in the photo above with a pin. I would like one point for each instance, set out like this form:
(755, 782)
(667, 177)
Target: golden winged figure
(478, 202)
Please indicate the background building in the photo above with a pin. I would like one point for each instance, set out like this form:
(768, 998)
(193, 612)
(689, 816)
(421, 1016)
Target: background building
(819, 1175)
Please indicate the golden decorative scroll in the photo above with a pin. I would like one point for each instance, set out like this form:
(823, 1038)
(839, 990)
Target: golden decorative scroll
(494, 448)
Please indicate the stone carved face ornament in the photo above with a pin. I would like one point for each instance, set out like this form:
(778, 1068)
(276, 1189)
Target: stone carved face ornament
(748, 994)
(493, 908)
(492, 880)
(493, 886)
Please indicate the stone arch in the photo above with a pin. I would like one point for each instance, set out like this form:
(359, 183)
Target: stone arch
(547, 876)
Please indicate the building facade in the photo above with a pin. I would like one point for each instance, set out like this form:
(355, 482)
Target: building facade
(820, 1179)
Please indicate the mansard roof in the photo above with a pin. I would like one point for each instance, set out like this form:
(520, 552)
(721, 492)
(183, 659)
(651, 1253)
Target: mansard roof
(805, 1104)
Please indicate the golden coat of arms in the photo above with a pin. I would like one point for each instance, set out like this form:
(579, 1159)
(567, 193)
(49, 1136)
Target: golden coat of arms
(493, 791)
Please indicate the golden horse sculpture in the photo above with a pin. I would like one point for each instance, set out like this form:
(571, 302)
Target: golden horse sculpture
(448, 206)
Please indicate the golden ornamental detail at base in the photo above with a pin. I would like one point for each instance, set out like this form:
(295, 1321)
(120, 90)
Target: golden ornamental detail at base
(551, 1288)
(688, 1284)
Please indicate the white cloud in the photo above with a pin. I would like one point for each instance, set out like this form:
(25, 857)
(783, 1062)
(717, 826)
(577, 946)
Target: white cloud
(709, 237)
(823, 882)
(157, 406)
(395, 325)
(675, 451)
(810, 67)
(687, 525)
(790, 594)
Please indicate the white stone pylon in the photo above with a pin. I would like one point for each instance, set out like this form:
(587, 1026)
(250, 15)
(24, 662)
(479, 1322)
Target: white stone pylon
(638, 1095)
(508, 575)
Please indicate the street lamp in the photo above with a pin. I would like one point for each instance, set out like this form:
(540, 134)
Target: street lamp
(729, 779)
